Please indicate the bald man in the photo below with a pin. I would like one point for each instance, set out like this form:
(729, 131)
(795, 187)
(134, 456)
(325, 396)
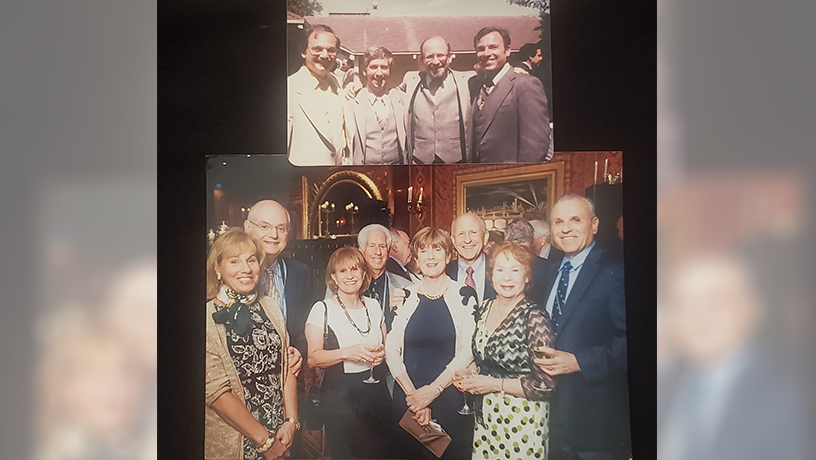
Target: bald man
(469, 235)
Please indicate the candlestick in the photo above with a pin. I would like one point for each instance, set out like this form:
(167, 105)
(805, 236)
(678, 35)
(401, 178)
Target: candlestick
(595, 174)
(410, 193)
(606, 166)
(421, 189)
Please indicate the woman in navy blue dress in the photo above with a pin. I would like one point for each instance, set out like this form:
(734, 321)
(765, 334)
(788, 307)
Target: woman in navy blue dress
(430, 341)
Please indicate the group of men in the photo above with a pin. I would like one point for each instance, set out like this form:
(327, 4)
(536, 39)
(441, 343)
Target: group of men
(496, 114)
(579, 286)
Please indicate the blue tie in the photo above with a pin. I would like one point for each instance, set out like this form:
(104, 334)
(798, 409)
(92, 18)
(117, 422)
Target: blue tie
(561, 294)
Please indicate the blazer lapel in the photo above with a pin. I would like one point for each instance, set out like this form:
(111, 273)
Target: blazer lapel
(398, 111)
(588, 271)
(494, 101)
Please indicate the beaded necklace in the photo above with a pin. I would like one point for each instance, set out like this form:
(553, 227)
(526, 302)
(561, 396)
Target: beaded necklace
(363, 333)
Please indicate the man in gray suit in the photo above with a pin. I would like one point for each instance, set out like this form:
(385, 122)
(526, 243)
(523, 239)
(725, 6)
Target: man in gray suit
(378, 114)
(438, 101)
(509, 112)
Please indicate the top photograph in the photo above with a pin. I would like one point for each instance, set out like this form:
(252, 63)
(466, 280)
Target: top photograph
(421, 83)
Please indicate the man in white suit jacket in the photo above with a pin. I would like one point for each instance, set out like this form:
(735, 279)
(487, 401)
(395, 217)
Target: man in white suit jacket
(378, 114)
(437, 100)
(316, 126)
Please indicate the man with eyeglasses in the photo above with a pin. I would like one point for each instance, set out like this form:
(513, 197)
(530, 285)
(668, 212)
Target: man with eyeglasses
(316, 128)
(438, 101)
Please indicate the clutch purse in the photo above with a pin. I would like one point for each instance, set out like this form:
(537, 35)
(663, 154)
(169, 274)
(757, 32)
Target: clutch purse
(432, 436)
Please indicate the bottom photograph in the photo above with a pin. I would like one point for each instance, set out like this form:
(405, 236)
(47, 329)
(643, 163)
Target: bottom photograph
(412, 312)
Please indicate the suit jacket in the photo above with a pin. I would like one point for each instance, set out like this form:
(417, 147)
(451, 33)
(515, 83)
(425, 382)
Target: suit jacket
(453, 271)
(590, 410)
(298, 292)
(541, 272)
(409, 86)
(308, 143)
(360, 109)
(393, 267)
(513, 126)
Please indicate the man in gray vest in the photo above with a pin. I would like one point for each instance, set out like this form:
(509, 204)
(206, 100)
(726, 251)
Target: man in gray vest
(379, 114)
(437, 99)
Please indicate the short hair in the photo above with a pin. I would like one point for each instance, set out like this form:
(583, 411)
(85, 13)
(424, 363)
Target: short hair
(347, 257)
(527, 51)
(540, 228)
(519, 252)
(362, 237)
(233, 240)
(395, 234)
(315, 28)
(575, 196)
(432, 237)
(377, 52)
(505, 35)
(520, 230)
(421, 45)
(453, 224)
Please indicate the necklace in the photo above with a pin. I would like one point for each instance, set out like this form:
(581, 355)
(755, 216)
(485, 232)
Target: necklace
(348, 317)
(436, 296)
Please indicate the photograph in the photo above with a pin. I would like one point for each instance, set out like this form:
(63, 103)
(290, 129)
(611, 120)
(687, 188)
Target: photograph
(413, 312)
(428, 82)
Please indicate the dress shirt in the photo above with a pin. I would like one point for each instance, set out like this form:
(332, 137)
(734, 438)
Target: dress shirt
(545, 253)
(498, 77)
(577, 261)
(478, 275)
(381, 105)
(279, 275)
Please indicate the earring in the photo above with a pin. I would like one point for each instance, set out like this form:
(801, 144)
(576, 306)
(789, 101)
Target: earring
(218, 276)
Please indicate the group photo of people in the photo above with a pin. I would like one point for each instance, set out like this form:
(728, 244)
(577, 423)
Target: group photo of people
(371, 90)
(370, 313)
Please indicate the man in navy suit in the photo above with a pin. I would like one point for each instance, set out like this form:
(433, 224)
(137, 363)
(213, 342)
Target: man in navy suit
(469, 235)
(585, 302)
(509, 117)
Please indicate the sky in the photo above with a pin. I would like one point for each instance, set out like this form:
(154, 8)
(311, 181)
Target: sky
(427, 8)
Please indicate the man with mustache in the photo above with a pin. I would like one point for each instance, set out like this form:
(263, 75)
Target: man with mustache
(437, 99)
(509, 120)
(316, 126)
(378, 114)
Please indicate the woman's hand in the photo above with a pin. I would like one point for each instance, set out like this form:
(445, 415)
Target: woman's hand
(423, 416)
(421, 397)
(295, 361)
(479, 384)
(277, 451)
(379, 355)
(363, 353)
(285, 434)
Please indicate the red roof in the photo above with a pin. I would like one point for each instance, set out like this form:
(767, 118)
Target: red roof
(404, 34)
(290, 16)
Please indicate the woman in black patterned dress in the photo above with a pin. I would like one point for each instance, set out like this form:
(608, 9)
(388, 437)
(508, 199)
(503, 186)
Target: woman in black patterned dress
(512, 412)
(250, 391)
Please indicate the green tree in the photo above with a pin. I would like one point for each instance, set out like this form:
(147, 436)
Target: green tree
(304, 7)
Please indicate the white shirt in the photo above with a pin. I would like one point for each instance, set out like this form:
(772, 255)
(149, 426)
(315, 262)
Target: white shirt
(478, 275)
(545, 253)
(577, 261)
(498, 77)
(347, 334)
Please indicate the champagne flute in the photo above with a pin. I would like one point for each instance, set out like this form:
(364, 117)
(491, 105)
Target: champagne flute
(538, 348)
(371, 378)
(466, 409)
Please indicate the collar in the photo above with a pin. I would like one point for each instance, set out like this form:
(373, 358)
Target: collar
(578, 259)
(313, 83)
(275, 267)
(372, 98)
(426, 79)
(477, 264)
(399, 263)
(500, 74)
(545, 252)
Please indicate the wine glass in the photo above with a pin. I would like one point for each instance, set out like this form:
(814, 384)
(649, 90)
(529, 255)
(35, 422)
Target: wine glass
(371, 378)
(466, 409)
(538, 348)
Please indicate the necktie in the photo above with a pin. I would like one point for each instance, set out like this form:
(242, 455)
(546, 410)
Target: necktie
(469, 281)
(561, 294)
(272, 288)
(483, 93)
(380, 112)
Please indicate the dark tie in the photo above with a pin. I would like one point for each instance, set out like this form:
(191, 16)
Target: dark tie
(483, 93)
(561, 294)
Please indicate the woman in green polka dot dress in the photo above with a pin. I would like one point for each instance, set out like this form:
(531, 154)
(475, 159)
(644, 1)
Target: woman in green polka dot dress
(512, 411)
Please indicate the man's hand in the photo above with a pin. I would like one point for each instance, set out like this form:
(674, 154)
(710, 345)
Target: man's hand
(397, 297)
(557, 362)
(295, 361)
(352, 89)
(421, 398)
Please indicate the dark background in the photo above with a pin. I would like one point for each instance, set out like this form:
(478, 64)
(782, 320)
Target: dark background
(222, 89)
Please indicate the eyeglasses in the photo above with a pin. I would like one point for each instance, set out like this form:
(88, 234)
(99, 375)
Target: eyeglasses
(266, 228)
(318, 50)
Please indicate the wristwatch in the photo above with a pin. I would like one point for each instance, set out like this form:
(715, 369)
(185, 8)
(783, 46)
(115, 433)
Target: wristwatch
(294, 421)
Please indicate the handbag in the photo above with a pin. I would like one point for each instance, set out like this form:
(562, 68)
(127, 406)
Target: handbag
(311, 415)
(432, 436)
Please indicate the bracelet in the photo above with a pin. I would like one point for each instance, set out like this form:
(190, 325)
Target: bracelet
(294, 422)
(440, 388)
(502, 387)
(266, 445)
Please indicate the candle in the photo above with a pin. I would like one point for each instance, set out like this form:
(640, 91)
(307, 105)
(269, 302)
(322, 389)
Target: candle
(410, 193)
(421, 189)
(595, 174)
(606, 166)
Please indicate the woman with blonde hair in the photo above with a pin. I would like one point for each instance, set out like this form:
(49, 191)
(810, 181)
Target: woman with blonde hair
(251, 393)
(429, 341)
(345, 335)
(512, 412)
